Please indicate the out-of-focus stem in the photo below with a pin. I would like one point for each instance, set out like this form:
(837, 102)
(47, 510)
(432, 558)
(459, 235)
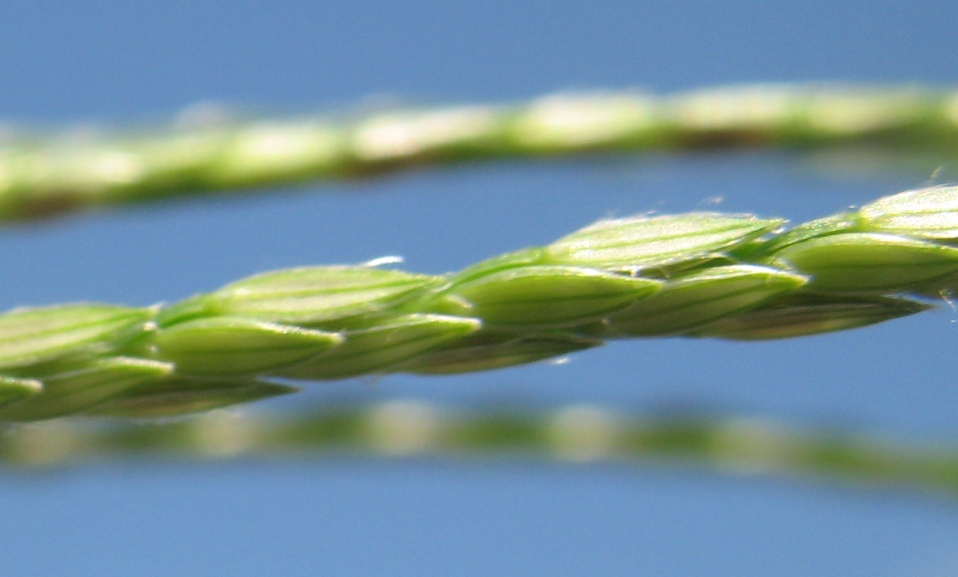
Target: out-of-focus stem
(578, 434)
(43, 174)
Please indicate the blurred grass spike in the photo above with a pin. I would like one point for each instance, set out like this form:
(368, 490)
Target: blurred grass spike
(570, 435)
(52, 174)
(694, 275)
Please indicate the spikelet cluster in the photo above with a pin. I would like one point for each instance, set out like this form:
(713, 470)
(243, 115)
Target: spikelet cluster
(692, 275)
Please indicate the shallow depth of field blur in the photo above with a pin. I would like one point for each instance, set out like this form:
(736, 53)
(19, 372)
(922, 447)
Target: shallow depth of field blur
(90, 62)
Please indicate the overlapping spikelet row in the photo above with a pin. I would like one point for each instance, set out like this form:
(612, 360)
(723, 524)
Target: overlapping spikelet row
(694, 275)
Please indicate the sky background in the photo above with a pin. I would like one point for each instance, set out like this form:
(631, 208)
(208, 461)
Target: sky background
(87, 61)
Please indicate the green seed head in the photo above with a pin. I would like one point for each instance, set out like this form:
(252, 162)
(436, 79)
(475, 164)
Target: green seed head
(929, 213)
(835, 224)
(805, 315)
(508, 261)
(311, 296)
(549, 296)
(484, 352)
(229, 346)
(30, 336)
(701, 274)
(697, 299)
(83, 386)
(649, 242)
(868, 263)
(378, 349)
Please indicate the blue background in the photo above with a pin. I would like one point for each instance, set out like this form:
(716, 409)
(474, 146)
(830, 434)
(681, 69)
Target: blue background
(79, 61)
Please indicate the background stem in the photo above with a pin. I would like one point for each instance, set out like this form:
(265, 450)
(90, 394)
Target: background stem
(43, 174)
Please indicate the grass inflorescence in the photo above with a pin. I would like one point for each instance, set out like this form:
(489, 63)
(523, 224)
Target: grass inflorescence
(44, 173)
(694, 275)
